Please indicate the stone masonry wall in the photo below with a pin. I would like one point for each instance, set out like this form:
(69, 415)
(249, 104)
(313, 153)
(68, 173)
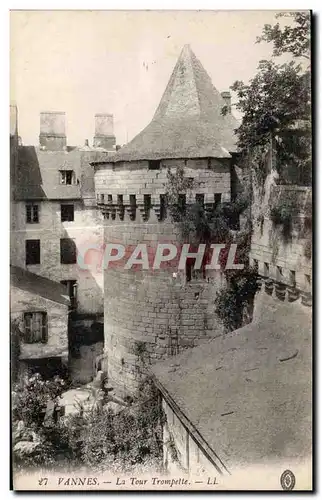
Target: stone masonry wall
(151, 314)
(57, 316)
(282, 260)
(86, 228)
(135, 178)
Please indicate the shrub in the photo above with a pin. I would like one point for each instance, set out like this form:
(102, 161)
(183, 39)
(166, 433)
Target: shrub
(100, 439)
(232, 300)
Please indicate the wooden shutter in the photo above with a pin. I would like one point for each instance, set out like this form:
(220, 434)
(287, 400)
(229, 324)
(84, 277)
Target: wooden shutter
(27, 323)
(28, 213)
(44, 329)
(35, 213)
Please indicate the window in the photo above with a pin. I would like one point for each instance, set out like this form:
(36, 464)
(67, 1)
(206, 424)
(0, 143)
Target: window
(32, 252)
(32, 214)
(307, 279)
(67, 213)
(67, 177)
(217, 199)
(36, 328)
(67, 251)
(71, 288)
(154, 164)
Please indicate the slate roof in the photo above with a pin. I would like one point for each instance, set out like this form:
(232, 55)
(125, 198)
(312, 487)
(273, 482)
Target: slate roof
(188, 121)
(38, 285)
(249, 393)
(36, 175)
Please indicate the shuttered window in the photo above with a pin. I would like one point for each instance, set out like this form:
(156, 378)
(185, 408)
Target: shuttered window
(32, 214)
(36, 327)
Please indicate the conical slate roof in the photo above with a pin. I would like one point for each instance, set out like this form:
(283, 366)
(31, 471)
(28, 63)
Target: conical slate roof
(188, 122)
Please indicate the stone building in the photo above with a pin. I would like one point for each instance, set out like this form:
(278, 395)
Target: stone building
(149, 314)
(53, 215)
(39, 310)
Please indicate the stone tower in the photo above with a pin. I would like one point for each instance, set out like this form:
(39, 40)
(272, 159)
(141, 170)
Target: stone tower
(150, 314)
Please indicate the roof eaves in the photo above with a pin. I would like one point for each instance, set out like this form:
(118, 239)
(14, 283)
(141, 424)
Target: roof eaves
(211, 455)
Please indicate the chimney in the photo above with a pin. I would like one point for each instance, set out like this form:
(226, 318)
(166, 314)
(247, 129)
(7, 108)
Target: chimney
(227, 98)
(104, 131)
(86, 143)
(52, 135)
(13, 120)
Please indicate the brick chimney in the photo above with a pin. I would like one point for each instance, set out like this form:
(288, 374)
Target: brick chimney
(227, 98)
(52, 135)
(104, 131)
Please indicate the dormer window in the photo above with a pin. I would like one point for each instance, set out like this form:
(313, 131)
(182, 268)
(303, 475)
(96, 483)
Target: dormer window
(67, 177)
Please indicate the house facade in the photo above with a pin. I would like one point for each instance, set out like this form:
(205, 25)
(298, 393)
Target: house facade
(53, 215)
(39, 310)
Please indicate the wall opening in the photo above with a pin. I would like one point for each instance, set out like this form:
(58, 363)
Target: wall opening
(132, 207)
(200, 199)
(32, 214)
(120, 206)
(163, 206)
(67, 213)
(147, 205)
(154, 164)
(32, 252)
(67, 251)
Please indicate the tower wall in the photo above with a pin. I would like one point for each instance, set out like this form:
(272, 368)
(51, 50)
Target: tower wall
(151, 314)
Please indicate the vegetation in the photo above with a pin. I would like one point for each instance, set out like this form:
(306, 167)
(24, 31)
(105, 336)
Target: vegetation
(234, 299)
(97, 438)
(277, 99)
(218, 225)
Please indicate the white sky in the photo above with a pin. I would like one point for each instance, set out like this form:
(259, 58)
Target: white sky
(87, 62)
